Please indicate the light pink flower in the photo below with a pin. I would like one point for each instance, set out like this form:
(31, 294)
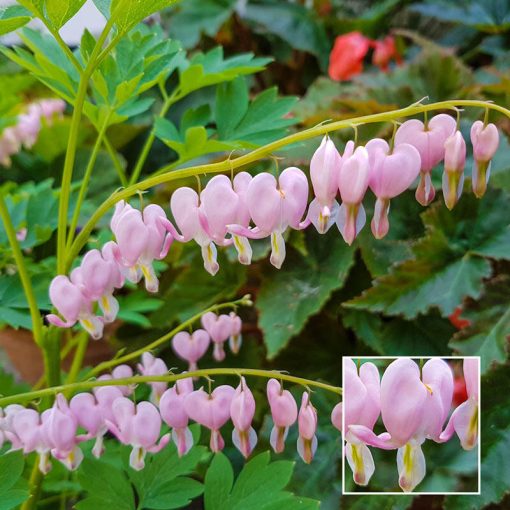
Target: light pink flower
(464, 420)
(307, 426)
(274, 206)
(485, 140)
(171, 407)
(391, 173)
(454, 162)
(191, 347)
(429, 141)
(219, 328)
(151, 365)
(242, 411)
(236, 338)
(284, 412)
(211, 411)
(138, 426)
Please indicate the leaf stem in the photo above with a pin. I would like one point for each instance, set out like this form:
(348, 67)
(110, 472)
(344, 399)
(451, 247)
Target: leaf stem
(116, 161)
(260, 153)
(37, 324)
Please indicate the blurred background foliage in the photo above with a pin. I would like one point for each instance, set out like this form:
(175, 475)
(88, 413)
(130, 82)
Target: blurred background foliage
(241, 73)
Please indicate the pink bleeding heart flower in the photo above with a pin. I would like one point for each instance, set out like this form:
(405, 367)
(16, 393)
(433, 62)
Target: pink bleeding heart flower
(336, 416)
(9, 145)
(59, 428)
(219, 205)
(307, 426)
(92, 411)
(150, 366)
(141, 239)
(284, 412)
(353, 183)
(219, 328)
(97, 278)
(392, 171)
(28, 428)
(29, 126)
(413, 409)
(429, 140)
(120, 372)
(274, 206)
(362, 407)
(454, 162)
(173, 412)
(235, 339)
(211, 411)
(185, 208)
(50, 109)
(464, 420)
(70, 302)
(138, 426)
(242, 411)
(324, 168)
(6, 425)
(191, 347)
(242, 245)
(485, 140)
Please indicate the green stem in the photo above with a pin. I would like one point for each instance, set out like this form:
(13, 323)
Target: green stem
(35, 482)
(116, 161)
(72, 144)
(79, 354)
(85, 182)
(138, 379)
(37, 324)
(260, 153)
(244, 301)
(167, 103)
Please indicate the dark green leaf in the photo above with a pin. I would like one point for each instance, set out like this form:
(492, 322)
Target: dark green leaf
(290, 296)
(106, 487)
(218, 483)
(488, 336)
(13, 490)
(449, 263)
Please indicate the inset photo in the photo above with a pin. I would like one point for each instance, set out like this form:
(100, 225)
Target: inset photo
(411, 425)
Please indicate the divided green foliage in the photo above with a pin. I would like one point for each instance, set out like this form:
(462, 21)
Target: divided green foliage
(13, 488)
(259, 486)
(240, 123)
(139, 61)
(450, 261)
(163, 484)
(288, 298)
(488, 336)
(46, 60)
(54, 13)
(211, 68)
(13, 17)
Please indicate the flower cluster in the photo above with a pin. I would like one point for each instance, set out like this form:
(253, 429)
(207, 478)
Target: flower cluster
(232, 212)
(58, 431)
(349, 50)
(216, 328)
(414, 405)
(26, 130)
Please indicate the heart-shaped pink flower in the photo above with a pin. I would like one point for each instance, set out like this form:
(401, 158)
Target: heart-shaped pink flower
(191, 347)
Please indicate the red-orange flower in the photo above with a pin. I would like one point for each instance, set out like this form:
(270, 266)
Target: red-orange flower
(458, 321)
(384, 51)
(346, 58)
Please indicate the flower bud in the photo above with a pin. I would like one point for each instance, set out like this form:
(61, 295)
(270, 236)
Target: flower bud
(307, 425)
(236, 338)
(284, 412)
(242, 411)
(485, 140)
(454, 162)
(336, 417)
